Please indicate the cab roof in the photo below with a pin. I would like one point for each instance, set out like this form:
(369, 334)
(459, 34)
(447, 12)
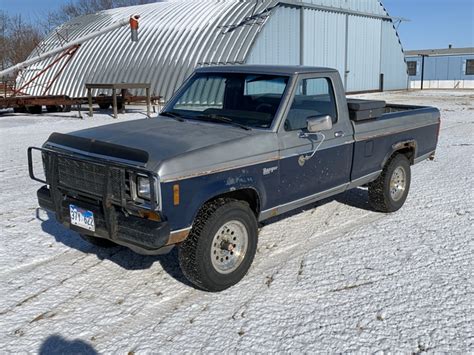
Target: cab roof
(265, 69)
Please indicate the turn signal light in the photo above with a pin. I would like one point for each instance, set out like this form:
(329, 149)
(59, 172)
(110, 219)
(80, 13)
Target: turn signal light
(176, 195)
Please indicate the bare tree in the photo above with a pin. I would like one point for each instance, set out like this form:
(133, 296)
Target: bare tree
(17, 39)
(3, 40)
(23, 39)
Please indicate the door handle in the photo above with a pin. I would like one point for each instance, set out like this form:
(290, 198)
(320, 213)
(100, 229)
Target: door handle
(339, 134)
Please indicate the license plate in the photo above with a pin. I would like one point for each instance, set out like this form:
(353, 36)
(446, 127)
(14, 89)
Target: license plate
(82, 218)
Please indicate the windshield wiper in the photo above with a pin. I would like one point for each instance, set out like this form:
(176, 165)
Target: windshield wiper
(223, 119)
(174, 115)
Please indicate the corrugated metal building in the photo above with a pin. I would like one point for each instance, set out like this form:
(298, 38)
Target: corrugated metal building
(449, 68)
(357, 37)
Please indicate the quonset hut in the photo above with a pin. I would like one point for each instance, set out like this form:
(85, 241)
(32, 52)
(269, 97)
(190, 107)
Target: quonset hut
(357, 37)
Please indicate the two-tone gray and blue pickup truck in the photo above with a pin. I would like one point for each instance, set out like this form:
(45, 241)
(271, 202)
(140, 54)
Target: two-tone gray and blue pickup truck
(236, 145)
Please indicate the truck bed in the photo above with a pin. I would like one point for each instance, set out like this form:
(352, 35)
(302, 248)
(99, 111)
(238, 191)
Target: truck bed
(395, 118)
(405, 125)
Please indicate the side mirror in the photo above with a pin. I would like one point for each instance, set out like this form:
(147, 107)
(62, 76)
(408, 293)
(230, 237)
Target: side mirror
(317, 124)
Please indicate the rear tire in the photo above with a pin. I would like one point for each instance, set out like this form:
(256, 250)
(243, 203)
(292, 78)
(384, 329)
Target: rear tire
(221, 246)
(98, 242)
(389, 192)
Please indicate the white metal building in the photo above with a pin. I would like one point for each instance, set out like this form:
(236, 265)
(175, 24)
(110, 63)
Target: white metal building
(447, 68)
(355, 36)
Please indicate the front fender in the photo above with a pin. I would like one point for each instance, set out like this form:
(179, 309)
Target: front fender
(195, 192)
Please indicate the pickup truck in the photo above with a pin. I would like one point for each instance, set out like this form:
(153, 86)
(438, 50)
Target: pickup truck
(236, 145)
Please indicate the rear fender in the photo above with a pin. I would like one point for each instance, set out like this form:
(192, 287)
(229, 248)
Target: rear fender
(402, 146)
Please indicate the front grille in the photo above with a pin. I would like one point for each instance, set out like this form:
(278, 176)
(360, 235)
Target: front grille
(89, 177)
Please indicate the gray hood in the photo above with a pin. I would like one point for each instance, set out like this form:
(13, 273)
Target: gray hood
(165, 138)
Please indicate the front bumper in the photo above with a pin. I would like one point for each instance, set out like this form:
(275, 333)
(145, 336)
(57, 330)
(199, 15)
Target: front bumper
(144, 236)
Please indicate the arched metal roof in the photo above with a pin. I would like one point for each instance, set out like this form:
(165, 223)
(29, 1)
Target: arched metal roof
(175, 37)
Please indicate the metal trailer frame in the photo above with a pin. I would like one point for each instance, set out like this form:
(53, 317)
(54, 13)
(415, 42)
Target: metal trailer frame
(68, 53)
(123, 89)
(62, 100)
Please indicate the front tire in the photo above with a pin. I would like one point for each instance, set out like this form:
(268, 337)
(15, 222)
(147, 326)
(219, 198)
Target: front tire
(389, 192)
(221, 246)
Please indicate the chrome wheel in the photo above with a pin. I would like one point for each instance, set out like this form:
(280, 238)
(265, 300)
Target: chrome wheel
(398, 183)
(229, 247)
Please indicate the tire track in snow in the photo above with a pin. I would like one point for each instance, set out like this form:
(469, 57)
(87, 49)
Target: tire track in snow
(23, 268)
(256, 276)
(158, 313)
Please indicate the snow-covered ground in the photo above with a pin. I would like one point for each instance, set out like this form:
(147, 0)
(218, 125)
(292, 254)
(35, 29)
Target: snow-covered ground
(333, 277)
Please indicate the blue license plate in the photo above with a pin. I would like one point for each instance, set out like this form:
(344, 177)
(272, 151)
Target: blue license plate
(82, 218)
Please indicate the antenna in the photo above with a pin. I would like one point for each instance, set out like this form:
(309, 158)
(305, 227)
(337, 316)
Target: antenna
(397, 21)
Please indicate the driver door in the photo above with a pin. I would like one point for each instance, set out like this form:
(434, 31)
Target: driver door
(330, 167)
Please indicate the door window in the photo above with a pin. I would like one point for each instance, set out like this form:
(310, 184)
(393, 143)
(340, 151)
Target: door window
(313, 97)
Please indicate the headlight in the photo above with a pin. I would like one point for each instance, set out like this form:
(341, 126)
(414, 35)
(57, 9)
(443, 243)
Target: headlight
(143, 187)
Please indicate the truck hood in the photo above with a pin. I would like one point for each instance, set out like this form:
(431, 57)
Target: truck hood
(159, 139)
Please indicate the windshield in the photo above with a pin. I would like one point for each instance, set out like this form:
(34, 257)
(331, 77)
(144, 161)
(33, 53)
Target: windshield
(248, 100)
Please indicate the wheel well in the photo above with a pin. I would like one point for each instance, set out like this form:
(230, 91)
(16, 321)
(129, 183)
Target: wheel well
(248, 195)
(406, 148)
(408, 152)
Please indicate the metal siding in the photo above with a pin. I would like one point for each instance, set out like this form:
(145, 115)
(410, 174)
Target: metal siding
(393, 64)
(324, 39)
(363, 61)
(455, 68)
(279, 41)
(443, 67)
(175, 37)
(367, 6)
(436, 68)
(374, 46)
(447, 68)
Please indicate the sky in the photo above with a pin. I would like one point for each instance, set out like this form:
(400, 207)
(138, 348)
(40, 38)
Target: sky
(432, 23)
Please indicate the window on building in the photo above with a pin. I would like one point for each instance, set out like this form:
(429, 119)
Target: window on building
(313, 97)
(470, 67)
(412, 67)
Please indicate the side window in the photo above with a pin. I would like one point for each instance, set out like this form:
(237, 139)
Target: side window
(313, 97)
(412, 67)
(470, 67)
